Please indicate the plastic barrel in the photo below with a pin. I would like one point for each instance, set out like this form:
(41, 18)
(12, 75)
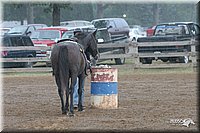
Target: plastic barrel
(104, 88)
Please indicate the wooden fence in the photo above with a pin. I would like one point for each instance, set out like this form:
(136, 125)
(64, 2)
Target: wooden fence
(130, 51)
(193, 55)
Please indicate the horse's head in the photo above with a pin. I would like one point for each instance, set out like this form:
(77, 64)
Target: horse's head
(89, 41)
(92, 44)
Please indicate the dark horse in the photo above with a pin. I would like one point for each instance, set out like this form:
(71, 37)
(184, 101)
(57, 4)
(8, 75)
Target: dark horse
(68, 63)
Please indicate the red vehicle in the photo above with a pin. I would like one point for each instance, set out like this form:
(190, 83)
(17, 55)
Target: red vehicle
(47, 37)
(150, 31)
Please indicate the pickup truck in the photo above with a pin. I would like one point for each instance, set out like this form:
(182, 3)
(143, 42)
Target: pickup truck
(170, 32)
(13, 41)
(104, 38)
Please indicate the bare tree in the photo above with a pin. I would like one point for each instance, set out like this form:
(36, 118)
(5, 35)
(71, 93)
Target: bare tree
(100, 8)
(54, 8)
(198, 12)
(30, 15)
(156, 14)
(56, 15)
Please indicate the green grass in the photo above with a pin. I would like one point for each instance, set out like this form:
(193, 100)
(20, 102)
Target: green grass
(127, 69)
(131, 71)
(26, 74)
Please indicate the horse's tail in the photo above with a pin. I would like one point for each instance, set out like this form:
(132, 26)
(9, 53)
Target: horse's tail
(54, 59)
(63, 62)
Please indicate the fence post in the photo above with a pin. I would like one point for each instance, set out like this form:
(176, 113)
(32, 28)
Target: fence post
(193, 54)
(135, 54)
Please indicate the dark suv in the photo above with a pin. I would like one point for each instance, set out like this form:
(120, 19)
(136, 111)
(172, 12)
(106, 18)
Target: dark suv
(15, 41)
(117, 27)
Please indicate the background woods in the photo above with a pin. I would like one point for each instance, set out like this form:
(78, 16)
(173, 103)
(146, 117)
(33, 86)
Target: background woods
(135, 14)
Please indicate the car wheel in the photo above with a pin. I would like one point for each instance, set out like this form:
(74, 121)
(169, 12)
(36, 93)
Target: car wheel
(146, 61)
(119, 61)
(30, 64)
(184, 59)
(172, 60)
(164, 59)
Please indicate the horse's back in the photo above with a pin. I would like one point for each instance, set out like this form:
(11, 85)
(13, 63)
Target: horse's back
(71, 56)
(76, 57)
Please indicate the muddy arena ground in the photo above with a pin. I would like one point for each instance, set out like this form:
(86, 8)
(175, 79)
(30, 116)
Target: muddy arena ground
(149, 100)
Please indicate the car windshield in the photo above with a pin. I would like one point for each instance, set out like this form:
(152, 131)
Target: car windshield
(39, 26)
(45, 34)
(68, 34)
(68, 24)
(134, 31)
(103, 34)
(3, 31)
(100, 24)
(18, 29)
(163, 30)
(17, 41)
(75, 23)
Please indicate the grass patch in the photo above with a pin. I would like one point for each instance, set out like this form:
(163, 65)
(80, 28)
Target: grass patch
(143, 71)
(126, 69)
(122, 70)
(26, 74)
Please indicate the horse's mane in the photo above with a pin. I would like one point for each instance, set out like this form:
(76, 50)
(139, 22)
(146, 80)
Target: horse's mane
(82, 38)
(81, 35)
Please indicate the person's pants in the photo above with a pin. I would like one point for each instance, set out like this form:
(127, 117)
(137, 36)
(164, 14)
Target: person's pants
(75, 95)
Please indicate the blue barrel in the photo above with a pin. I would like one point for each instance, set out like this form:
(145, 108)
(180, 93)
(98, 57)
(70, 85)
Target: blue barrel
(104, 88)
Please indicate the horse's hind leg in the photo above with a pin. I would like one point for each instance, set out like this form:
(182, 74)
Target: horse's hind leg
(61, 94)
(73, 82)
(67, 95)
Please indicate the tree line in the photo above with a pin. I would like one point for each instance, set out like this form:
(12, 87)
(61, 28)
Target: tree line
(144, 14)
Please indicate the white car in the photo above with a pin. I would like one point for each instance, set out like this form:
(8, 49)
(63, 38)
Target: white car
(135, 33)
(77, 23)
(3, 31)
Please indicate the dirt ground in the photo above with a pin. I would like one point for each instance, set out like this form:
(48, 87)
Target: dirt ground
(147, 102)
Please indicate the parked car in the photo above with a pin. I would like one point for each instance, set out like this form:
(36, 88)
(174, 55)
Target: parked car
(77, 23)
(47, 36)
(117, 27)
(150, 31)
(25, 29)
(135, 34)
(104, 38)
(38, 26)
(141, 30)
(15, 41)
(70, 33)
(4, 31)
